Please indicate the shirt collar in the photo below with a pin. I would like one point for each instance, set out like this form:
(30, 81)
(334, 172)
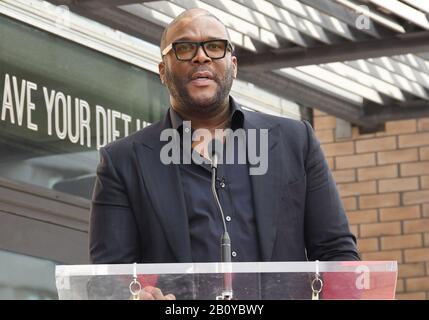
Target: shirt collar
(237, 116)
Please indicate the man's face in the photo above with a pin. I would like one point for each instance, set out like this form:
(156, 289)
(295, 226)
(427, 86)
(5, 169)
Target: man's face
(202, 84)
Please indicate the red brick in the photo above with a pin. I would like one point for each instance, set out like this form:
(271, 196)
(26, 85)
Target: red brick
(379, 201)
(416, 255)
(415, 168)
(349, 203)
(400, 213)
(331, 163)
(357, 188)
(326, 122)
(338, 148)
(414, 140)
(397, 156)
(418, 225)
(424, 181)
(354, 229)
(344, 175)
(319, 113)
(425, 210)
(411, 296)
(357, 136)
(378, 144)
(401, 242)
(423, 124)
(424, 153)
(380, 229)
(415, 197)
(400, 285)
(367, 245)
(362, 216)
(355, 161)
(402, 184)
(411, 270)
(325, 136)
(378, 172)
(395, 255)
(400, 127)
(417, 284)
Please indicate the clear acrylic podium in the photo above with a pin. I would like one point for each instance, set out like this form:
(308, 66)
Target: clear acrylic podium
(250, 281)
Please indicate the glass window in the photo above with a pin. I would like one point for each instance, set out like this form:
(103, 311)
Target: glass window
(26, 278)
(60, 101)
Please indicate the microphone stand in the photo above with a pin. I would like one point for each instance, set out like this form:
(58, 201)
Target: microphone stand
(225, 241)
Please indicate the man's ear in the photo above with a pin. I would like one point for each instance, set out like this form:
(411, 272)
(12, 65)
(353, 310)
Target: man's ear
(161, 68)
(234, 66)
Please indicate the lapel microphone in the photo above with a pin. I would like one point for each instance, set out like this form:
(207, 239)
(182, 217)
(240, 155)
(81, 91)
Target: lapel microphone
(215, 146)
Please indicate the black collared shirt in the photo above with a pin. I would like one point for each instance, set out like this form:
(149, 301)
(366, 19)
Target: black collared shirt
(235, 195)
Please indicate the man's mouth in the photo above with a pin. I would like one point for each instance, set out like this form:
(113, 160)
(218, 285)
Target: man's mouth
(201, 81)
(202, 75)
(202, 78)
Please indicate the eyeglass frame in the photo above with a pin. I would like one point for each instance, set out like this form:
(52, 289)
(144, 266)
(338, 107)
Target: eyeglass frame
(199, 44)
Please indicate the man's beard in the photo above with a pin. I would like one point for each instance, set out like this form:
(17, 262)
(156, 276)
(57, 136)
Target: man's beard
(177, 88)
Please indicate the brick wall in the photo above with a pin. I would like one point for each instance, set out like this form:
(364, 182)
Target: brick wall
(383, 179)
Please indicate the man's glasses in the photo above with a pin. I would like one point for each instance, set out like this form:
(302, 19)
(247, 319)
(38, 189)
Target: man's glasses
(187, 50)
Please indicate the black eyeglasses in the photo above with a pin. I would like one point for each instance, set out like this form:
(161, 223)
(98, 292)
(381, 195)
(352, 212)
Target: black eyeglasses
(187, 50)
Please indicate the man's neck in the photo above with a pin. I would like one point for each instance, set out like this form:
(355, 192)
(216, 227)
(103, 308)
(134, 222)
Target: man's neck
(219, 120)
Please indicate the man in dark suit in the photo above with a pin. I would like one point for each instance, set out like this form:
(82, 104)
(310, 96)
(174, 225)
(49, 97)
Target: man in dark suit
(148, 212)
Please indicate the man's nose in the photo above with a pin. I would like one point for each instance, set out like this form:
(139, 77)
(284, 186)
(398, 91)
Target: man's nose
(200, 56)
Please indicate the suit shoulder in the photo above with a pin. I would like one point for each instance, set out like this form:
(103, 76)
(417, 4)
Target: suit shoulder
(124, 145)
(287, 124)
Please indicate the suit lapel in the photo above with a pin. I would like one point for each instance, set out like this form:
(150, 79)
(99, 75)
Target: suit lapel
(165, 190)
(267, 188)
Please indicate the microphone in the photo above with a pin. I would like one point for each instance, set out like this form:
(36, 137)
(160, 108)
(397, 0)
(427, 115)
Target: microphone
(214, 148)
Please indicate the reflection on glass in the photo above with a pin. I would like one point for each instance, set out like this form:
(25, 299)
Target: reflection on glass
(250, 280)
(26, 278)
(60, 101)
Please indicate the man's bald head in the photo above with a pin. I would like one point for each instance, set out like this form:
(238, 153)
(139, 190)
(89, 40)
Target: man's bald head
(188, 14)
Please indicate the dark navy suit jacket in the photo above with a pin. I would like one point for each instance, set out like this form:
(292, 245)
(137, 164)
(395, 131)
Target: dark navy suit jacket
(138, 209)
